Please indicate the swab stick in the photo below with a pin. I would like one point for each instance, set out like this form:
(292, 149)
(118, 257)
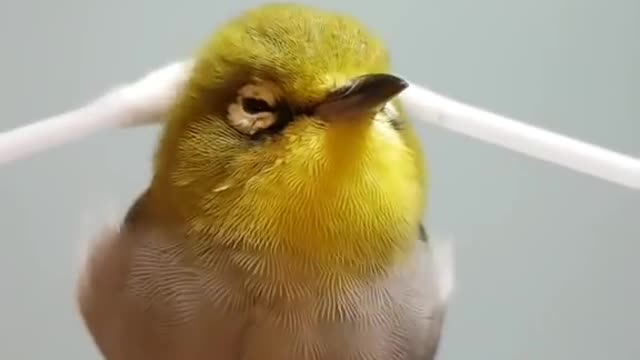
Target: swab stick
(145, 102)
(138, 103)
(520, 137)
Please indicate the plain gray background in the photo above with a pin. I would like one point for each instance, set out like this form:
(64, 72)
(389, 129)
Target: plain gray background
(547, 259)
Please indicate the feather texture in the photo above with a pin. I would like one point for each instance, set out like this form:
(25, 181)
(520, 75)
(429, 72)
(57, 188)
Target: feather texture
(301, 242)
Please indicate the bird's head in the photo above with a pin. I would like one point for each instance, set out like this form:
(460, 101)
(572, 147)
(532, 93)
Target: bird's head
(289, 128)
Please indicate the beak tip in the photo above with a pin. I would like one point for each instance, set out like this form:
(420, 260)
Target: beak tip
(402, 84)
(392, 84)
(364, 93)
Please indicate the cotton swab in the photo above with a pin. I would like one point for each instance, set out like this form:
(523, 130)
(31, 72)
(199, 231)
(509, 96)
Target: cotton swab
(517, 136)
(138, 103)
(146, 100)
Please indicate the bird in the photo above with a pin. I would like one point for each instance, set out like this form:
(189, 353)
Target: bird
(284, 215)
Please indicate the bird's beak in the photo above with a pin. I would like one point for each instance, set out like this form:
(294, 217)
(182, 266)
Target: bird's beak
(362, 95)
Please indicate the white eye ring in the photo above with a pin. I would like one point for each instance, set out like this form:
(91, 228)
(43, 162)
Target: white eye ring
(253, 109)
(249, 123)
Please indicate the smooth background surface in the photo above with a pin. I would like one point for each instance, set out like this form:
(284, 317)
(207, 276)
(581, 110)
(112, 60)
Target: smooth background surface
(547, 258)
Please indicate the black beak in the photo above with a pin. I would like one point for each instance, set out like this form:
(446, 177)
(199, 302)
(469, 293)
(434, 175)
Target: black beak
(363, 94)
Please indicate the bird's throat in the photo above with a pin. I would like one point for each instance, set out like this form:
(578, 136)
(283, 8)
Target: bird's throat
(362, 226)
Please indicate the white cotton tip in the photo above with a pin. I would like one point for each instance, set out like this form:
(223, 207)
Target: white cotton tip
(148, 99)
(142, 102)
(520, 137)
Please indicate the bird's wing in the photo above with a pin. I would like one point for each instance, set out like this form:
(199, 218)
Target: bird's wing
(140, 300)
(443, 266)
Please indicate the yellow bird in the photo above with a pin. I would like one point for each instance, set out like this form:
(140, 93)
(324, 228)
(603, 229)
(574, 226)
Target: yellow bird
(283, 219)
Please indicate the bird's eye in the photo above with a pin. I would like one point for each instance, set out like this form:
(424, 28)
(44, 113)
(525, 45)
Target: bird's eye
(255, 106)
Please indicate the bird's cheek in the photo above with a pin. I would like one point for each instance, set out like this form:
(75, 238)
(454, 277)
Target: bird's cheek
(303, 145)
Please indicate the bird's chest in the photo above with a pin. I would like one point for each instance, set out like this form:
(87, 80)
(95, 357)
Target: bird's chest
(255, 307)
